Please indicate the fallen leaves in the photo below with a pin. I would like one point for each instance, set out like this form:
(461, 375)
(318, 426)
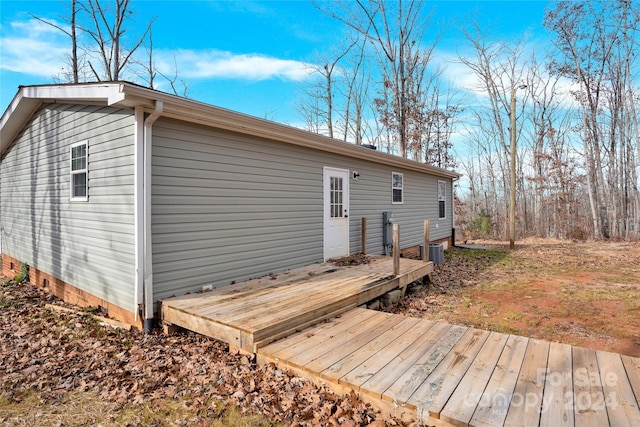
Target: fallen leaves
(355, 259)
(55, 352)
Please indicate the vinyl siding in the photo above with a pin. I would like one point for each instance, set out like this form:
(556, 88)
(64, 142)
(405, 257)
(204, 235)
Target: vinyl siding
(227, 207)
(89, 245)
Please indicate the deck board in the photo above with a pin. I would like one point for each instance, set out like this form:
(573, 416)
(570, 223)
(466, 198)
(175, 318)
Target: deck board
(494, 402)
(378, 335)
(466, 397)
(587, 393)
(632, 368)
(431, 355)
(305, 340)
(389, 350)
(615, 386)
(304, 301)
(386, 377)
(434, 393)
(557, 405)
(354, 359)
(330, 351)
(525, 408)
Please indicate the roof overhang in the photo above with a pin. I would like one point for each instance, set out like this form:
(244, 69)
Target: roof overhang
(127, 95)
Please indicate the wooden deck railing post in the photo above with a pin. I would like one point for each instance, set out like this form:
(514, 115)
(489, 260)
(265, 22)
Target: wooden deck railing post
(364, 234)
(396, 249)
(425, 252)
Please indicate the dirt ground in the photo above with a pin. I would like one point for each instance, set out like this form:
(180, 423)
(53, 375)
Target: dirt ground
(585, 294)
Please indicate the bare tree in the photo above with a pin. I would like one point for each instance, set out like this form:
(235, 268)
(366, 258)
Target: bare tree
(439, 119)
(320, 93)
(107, 31)
(356, 93)
(395, 33)
(72, 33)
(554, 177)
(499, 72)
(102, 49)
(150, 72)
(312, 111)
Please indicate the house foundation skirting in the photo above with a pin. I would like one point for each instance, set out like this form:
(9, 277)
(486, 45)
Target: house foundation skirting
(414, 251)
(67, 292)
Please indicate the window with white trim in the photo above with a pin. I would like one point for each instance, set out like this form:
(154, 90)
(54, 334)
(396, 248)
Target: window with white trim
(442, 199)
(79, 171)
(396, 188)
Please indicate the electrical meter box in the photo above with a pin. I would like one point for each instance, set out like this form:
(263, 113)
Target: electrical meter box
(387, 231)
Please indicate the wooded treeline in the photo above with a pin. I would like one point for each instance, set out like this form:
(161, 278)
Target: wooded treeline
(578, 140)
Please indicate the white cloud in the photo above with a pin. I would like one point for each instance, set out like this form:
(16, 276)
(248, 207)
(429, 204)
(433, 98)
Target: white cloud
(37, 49)
(213, 63)
(34, 48)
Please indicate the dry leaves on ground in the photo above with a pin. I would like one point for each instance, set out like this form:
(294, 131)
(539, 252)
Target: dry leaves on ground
(53, 353)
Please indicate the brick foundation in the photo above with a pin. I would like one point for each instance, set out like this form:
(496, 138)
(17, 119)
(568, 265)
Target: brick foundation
(66, 292)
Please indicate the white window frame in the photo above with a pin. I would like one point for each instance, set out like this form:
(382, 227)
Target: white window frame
(442, 198)
(401, 188)
(85, 171)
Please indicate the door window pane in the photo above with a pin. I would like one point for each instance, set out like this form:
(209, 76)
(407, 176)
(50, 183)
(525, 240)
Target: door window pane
(335, 198)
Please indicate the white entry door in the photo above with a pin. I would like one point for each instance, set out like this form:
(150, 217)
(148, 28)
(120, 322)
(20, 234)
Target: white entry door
(336, 213)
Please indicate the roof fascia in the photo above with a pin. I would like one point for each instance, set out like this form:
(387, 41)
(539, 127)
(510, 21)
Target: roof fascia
(14, 118)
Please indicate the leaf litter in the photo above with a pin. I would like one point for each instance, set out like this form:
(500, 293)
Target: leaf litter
(57, 353)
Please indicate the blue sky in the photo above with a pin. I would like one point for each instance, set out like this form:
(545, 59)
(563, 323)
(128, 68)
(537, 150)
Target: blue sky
(247, 56)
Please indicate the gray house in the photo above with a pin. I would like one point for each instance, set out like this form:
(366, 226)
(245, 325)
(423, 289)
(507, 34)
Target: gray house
(118, 196)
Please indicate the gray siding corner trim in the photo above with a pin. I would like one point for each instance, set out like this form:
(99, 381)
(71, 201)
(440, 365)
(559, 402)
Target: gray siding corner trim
(89, 245)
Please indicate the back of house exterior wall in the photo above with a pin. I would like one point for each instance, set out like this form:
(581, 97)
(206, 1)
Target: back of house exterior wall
(87, 246)
(227, 206)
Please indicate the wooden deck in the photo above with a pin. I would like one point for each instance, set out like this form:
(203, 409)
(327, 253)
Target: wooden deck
(254, 313)
(442, 375)
(445, 375)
